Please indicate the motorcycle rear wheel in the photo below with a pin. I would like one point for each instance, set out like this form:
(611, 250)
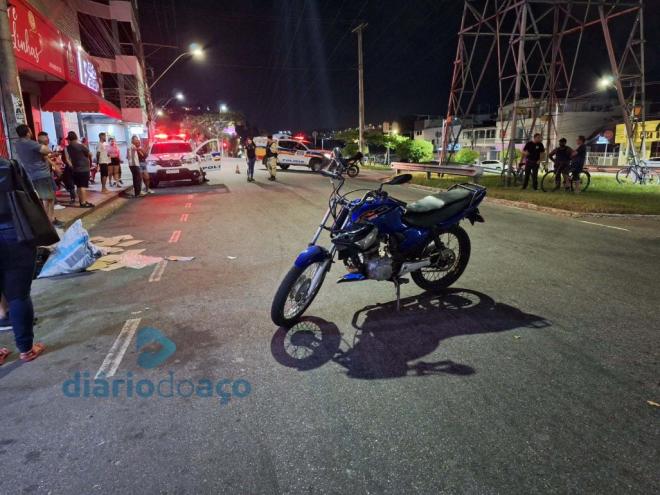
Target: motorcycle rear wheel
(447, 267)
(295, 294)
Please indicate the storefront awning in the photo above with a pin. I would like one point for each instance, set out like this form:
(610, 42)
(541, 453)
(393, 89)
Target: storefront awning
(71, 97)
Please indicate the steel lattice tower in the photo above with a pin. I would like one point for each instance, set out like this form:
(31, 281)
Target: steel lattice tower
(532, 47)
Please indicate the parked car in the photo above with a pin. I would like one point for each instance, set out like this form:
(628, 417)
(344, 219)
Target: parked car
(175, 160)
(295, 152)
(494, 165)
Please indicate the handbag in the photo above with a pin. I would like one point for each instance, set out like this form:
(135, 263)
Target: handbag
(29, 217)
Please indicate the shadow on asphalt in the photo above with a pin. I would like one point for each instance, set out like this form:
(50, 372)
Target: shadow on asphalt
(391, 344)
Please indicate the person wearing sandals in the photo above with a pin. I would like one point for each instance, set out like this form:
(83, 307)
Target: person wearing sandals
(17, 264)
(115, 163)
(78, 156)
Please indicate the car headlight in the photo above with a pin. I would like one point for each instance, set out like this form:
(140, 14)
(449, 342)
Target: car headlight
(151, 163)
(327, 155)
(189, 160)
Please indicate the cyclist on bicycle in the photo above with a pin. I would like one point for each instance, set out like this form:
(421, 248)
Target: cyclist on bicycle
(579, 156)
(561, 157)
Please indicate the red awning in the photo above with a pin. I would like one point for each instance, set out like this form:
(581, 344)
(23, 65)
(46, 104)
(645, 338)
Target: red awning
(71, 97)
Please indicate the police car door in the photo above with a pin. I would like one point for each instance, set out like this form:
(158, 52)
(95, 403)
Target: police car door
(286, 152)
(209, 154)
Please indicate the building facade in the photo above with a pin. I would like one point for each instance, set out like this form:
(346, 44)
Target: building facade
(63, 85)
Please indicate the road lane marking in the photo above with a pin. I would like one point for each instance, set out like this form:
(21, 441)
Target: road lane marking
(158, 271)
(175, 236)
(187, 205)
(184, 217)
(118, 349)
(603, 225)
(191, 196)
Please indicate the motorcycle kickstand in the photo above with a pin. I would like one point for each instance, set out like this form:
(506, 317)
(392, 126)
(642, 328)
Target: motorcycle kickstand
(397, 285)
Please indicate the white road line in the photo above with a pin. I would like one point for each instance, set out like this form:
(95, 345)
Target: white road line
(187, 205)
(191, 196)
(184, 217)
(603, 225)
(158, 271)
(175, 236)
(118, 349)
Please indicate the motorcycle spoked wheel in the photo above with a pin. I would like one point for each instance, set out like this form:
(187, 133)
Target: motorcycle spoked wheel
(295, 294)
(447, 267)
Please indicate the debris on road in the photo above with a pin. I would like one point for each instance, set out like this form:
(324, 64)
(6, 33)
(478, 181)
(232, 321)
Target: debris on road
(179, 258)
(652, 403)
(231, 257)
(74, 253)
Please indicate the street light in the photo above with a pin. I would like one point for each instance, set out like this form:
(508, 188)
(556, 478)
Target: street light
(605, 82)
(223, 108)
(194, 51)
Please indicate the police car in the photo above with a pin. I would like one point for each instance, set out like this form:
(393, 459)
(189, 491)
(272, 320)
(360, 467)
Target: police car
(294, 152)
(172, 158)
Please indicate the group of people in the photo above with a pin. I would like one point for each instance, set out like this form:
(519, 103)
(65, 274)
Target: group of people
(568, 162)
(270, 159)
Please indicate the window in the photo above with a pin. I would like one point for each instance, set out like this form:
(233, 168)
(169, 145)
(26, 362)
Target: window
(301, 147)
(286, 145)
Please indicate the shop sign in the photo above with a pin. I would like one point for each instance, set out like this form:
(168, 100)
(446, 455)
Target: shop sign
(88, 72)
(34, 40)
(19, 111)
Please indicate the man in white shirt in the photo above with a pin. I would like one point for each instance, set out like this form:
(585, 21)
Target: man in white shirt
(103, 160)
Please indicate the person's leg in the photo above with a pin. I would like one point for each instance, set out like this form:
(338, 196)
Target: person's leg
(535, 176)
(82, 195)
(252, 162)
(104, 176)
(4, 311)
(576, 181)
(137, 180)
(118, 165)
(526, 179)
(145, 179)
(49, 207)
(16, 270)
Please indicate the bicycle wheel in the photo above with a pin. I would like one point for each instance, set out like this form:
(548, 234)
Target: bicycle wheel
(548, 182)
(627, 175)
(585, 180)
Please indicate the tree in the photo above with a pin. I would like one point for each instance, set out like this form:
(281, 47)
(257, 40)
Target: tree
(466, 156)
(415, 150)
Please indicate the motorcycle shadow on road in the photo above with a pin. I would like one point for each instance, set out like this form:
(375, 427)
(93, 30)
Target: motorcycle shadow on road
(390, 344)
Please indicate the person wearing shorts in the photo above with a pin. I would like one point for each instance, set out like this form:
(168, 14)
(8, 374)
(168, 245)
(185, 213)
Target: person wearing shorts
(103, 160)
(115, 163)
(79, 157)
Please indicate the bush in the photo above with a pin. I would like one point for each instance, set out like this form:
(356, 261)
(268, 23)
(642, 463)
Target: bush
(415, 150)
(504, 156)
(466, 156)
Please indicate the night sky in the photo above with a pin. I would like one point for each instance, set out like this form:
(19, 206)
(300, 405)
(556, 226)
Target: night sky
(291, 64)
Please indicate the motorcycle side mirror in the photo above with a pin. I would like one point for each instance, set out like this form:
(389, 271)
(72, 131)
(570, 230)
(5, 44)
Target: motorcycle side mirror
(398, 179)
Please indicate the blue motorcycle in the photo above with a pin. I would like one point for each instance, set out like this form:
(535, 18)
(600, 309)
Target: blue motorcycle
(378, 237)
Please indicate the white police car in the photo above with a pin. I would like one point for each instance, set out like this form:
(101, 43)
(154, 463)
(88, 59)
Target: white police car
(176, 160)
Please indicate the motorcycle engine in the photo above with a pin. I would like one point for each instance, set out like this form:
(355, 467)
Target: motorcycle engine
(378, 267)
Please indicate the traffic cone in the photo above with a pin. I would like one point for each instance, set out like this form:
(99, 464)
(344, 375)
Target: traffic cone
(238, 170)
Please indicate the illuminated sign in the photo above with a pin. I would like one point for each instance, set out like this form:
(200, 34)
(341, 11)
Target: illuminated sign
(87, 73)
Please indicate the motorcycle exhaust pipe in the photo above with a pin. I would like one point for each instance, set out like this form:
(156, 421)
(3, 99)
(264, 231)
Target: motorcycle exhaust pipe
(406, 268)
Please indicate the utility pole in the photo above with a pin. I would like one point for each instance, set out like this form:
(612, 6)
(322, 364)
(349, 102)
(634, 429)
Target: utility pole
(9, 83)
(359, 30)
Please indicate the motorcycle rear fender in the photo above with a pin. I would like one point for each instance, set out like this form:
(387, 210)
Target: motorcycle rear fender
(312, 254)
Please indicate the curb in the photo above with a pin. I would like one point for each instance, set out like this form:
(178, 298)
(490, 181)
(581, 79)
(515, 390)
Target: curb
(107, 201)
(522, 205)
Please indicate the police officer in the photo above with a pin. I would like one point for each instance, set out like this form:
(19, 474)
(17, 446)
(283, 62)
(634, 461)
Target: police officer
(532, 153)
(271, 157)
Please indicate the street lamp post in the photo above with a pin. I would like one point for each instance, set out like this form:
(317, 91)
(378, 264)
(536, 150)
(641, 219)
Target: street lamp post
(195, 51)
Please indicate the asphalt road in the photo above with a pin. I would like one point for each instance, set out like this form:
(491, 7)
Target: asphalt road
(531, 375)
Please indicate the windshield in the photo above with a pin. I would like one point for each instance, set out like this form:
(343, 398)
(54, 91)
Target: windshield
(160, 148)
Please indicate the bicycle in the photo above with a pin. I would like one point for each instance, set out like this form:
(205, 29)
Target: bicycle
(635, 173)
(517, 174)
(549, 184)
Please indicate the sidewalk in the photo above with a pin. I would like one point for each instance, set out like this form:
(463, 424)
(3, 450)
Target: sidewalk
(70, 214)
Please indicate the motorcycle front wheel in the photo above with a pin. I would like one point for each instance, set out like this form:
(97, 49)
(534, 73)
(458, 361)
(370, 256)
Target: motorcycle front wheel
(447, 263)
(295, 294)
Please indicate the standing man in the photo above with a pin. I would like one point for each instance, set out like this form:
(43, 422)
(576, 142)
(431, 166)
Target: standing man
(114, 172)
(251, 150)
(271, 157)
(532, 154)
(561, 157)
(579, 157)
(33, 156)
(79, 158)
(103, 161)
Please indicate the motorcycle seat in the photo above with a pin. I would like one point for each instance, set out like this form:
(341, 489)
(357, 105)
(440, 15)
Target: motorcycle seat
(434, 209)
